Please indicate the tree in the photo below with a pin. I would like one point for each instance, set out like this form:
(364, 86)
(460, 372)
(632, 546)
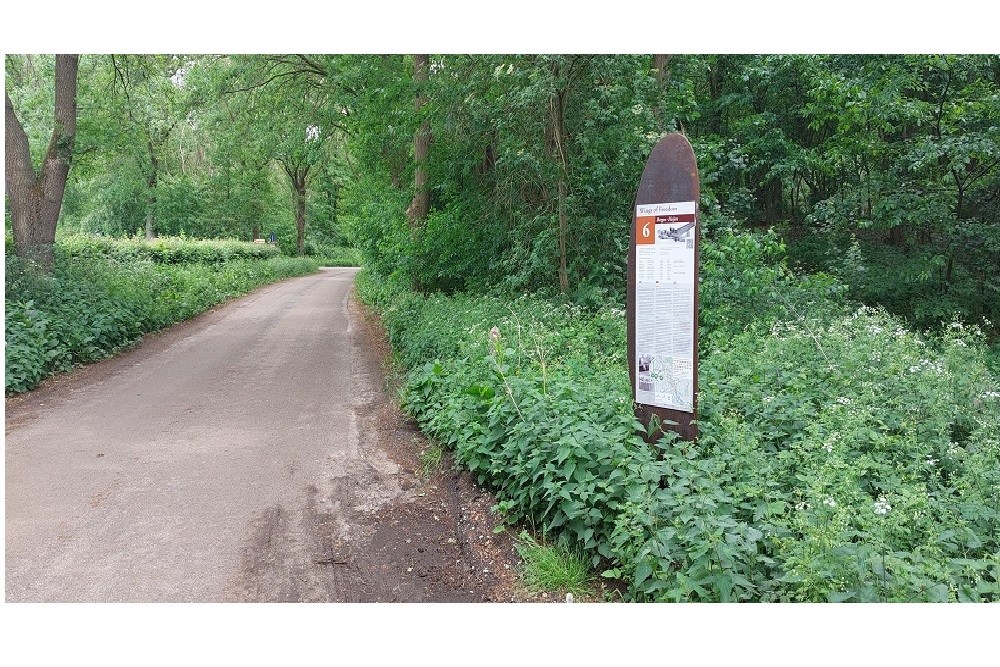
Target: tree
(152, 102)
(282, 110)
(420, 206)
(36, 196)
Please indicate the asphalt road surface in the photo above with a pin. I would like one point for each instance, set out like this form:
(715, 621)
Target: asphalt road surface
(244, 456)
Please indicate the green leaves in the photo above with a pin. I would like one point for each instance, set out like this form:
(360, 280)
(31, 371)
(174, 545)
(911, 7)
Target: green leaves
(105, 295)
(814, 417)
(162, 250)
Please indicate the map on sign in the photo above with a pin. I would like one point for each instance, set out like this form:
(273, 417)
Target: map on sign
(664, 304)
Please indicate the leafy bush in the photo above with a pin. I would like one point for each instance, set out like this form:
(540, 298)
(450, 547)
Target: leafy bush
(841, 456)
(922, 283)
(93, 306)
(374, 221)
(162, 250)
(332, 255)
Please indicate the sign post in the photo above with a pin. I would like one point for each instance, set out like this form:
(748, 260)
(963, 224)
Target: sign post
(662, 301)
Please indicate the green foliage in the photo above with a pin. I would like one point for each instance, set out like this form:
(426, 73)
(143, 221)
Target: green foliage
(374, 221)
(332, 255)
(841, 457)
(746, 285)
(913, 281)
(96, 304)
(550, 568)
(162, 250)
(430, 459)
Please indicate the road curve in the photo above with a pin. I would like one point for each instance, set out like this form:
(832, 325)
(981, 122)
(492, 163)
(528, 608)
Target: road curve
(172, 476)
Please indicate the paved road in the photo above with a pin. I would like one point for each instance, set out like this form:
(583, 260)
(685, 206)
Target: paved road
(220, 461)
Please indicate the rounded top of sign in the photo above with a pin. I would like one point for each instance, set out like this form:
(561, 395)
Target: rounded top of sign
(674, 145)
(671, 172)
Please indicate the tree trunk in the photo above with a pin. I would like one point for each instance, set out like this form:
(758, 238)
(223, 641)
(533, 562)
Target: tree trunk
(563, 228)
(660, 62)
(298, 176)
(896, 236)
(557, 117)
(151, 199)
(420, 206)
(300, 215)
(36, 198)
(715, 91)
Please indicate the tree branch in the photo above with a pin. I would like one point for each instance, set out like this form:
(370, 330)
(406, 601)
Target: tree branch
(17, 160)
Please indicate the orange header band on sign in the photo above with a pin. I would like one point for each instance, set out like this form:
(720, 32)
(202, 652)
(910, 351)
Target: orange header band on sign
(645, 229)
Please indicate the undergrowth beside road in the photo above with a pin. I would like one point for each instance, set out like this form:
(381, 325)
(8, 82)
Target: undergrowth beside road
(333, 255)
(549, 568)
(841, 457)
(96, 304)
(162, 250)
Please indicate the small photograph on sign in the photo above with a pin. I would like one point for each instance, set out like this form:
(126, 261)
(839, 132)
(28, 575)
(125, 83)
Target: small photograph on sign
(681, 234)
(645, 362)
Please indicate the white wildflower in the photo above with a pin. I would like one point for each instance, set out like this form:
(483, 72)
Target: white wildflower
(828, 447)
(829, 502)
(802, 506)
(992, 394)
(843, 400)
(768, 399)
(882, 506)
(931, 460)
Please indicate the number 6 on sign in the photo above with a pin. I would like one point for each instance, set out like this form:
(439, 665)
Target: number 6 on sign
(644, 229)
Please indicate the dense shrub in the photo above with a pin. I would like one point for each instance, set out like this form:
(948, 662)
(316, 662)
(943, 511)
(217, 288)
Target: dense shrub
(162, 250)
(332, 255)
(841, 457)
(916, 282)
(93, 306)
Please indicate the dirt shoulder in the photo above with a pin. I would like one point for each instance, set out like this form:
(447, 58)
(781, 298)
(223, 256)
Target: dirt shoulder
(440, 542)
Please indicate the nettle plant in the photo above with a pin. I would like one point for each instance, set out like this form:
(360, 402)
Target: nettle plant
(841, 457)
(883, 447)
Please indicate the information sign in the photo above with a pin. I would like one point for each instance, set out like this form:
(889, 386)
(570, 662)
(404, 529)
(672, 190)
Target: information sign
(662, 303)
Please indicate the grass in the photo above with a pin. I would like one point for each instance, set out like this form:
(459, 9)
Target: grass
(430, 459)
(553, 569)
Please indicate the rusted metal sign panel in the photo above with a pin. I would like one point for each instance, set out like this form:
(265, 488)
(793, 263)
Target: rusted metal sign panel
(662, 303)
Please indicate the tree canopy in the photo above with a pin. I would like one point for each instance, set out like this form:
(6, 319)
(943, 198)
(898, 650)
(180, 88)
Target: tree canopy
(525, 165)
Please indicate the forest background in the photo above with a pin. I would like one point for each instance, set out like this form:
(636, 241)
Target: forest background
(591, 292)
(879, 170)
